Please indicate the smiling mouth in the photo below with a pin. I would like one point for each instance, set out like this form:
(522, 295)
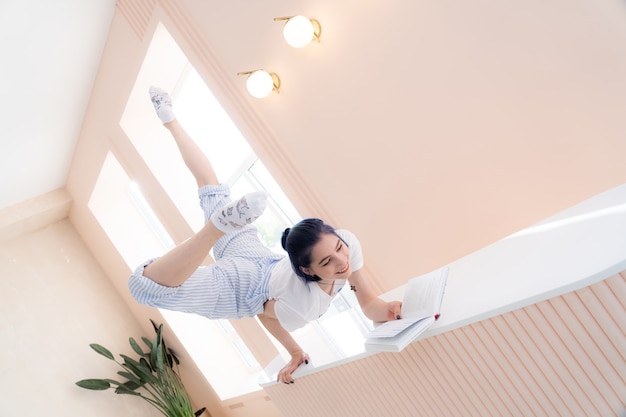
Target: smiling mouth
(343, 271)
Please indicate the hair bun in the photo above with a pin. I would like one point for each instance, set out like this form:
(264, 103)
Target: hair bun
(283, 239)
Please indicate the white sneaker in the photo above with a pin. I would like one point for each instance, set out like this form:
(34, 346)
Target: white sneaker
(162, 104)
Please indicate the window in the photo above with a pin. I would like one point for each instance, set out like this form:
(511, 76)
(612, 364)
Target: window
(145, 216)
(127, 227)
(216, 347)
(236, 164)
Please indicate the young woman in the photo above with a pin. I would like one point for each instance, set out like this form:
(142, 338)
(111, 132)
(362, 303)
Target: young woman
(248, 279)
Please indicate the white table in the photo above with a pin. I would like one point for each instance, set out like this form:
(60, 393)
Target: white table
(578, 247)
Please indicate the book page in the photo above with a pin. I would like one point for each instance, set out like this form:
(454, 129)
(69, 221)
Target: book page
(422, 299)
(420, 308)
(425, 292)
(395, 327)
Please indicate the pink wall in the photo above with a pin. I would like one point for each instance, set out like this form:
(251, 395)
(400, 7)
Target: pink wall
(430, 130)
(446, 128)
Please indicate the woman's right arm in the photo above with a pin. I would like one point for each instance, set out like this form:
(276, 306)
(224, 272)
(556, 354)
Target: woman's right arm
(271, 323)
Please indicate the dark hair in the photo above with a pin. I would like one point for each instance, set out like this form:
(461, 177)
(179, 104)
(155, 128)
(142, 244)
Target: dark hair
(299, 240)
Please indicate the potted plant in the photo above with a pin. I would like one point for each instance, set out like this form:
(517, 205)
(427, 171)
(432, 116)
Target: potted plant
(152, 376)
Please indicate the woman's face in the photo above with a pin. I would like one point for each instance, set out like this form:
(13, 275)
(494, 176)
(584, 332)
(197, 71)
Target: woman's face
(330, 258)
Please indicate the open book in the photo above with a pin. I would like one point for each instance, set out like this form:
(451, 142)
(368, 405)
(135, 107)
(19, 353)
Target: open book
(420, 308)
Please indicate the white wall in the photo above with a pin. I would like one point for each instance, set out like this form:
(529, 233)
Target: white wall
(55, 301)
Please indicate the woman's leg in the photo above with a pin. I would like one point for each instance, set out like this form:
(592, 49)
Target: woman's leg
(194, 158)
(173, 268)
(192, 155)
(177, 265)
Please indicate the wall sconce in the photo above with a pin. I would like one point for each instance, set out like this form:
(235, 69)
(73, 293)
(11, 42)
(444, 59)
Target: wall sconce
(261, 83)
(299, 31)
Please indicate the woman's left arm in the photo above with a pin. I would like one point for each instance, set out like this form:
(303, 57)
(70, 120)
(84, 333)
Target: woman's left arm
(373, 306)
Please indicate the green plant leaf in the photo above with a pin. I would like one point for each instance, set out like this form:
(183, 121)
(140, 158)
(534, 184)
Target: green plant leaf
(94, 384)
(160, 360)
(135, 347)
(102, 350)
(147, 373)
(153, 352)
(129, 376)
(173, 357)
(131, 385)
(124, 389)
(113, 382)
(144, 373)
(148, 342)
(145, 363)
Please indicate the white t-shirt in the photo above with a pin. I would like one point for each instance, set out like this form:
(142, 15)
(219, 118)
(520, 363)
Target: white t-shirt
(297, 302)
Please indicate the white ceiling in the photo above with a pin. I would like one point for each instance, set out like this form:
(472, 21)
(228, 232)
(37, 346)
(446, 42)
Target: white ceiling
(51, 52)
(50, 55)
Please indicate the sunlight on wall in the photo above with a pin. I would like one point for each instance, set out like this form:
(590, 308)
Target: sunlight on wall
(111, 204)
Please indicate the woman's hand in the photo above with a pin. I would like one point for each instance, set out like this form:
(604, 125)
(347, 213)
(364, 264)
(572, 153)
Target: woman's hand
(373, 306)
(297, 358)
(271, 323)
(394, 310)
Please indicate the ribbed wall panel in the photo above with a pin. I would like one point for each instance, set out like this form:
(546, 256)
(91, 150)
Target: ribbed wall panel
(137, 13)
(562, 357)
